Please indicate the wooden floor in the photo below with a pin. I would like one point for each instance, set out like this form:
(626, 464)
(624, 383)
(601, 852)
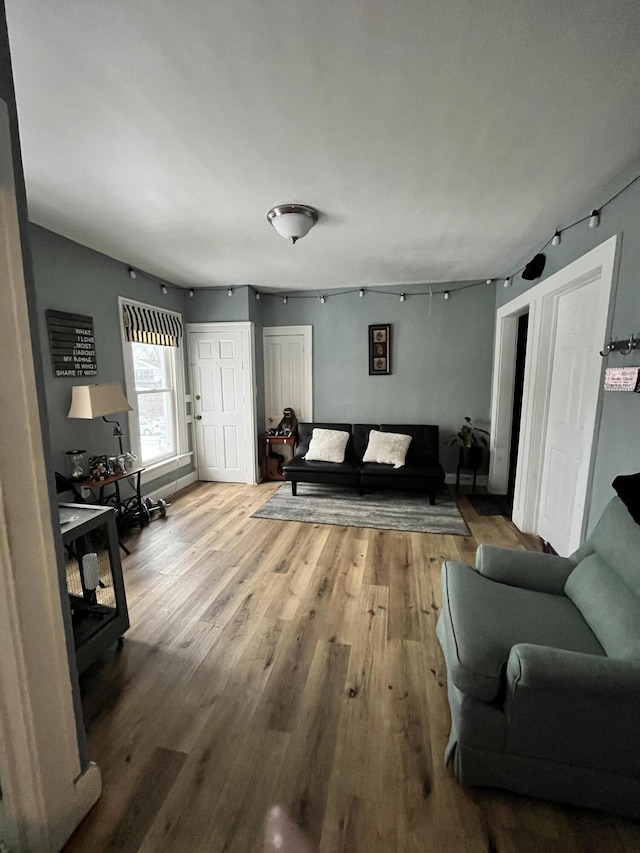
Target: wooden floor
(294, 663)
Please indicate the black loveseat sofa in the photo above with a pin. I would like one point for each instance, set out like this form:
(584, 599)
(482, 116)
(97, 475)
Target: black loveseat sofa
(422, 471)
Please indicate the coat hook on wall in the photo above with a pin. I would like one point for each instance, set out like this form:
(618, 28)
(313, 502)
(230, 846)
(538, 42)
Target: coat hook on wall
(631, 346)
(624, 347)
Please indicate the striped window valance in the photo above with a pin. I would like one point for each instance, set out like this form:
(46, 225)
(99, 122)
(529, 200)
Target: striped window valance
(151, 325)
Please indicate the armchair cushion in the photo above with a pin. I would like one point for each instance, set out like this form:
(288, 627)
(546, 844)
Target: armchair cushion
(608, 605)
(526, 569)
(616, 539)
(481, 620)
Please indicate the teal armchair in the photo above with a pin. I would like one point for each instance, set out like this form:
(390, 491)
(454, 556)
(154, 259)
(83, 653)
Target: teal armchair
(543, 668)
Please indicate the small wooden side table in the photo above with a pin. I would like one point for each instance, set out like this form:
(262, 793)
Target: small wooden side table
(469, 459)
(270, 459)
(129, 510)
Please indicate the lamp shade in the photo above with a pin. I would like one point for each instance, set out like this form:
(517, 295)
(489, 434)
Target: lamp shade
(95, 401)
(292, 221)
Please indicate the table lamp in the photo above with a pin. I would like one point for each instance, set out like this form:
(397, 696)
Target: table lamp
(96, 401)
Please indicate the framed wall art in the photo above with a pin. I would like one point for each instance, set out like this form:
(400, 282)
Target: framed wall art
(380, 350)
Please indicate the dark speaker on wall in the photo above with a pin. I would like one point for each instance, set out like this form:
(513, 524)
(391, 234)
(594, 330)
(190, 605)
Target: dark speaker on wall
(534, 268)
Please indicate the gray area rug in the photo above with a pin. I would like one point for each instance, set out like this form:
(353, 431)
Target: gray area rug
(385, 510)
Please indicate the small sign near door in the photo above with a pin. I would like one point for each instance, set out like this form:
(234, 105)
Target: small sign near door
(622, 379)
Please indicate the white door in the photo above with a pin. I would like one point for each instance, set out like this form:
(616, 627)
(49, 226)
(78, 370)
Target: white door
(287, 373)
(568, 289)
(218, 374)
(573, 403)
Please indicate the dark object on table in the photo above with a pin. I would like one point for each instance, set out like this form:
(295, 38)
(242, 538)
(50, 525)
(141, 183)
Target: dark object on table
(99, 468)
(628, 488)
(289, 423)
(75, 464)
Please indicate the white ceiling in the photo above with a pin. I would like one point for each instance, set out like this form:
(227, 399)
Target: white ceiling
(441, 140)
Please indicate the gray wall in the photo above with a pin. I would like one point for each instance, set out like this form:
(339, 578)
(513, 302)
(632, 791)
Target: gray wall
(71, 277)
(216, 306)
(441, 362)
(617, 450)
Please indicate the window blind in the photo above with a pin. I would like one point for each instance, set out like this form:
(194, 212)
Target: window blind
(151, 326)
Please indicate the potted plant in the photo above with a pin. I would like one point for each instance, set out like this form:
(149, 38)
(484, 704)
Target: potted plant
(470, 439)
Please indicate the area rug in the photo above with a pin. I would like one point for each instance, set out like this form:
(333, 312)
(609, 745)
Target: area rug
(384, 510)
(491, 504)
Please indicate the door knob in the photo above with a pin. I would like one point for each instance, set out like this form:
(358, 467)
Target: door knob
(197, 396)
(198, 417)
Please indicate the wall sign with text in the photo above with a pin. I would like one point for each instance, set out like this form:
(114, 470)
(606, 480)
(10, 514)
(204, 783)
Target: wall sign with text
(72, 343)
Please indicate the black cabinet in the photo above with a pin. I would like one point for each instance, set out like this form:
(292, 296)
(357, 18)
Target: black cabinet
(95, 585)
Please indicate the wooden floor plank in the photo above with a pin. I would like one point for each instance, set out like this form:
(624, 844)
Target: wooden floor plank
(303, 784)
(149, 795)
(297, 663)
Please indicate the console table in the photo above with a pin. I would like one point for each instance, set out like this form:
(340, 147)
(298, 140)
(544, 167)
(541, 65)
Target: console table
(129, 510)
(270, 459)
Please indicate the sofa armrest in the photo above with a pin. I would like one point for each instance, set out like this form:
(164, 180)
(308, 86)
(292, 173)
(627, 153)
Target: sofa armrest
(573, 708)
(543, 668)
(528, 569)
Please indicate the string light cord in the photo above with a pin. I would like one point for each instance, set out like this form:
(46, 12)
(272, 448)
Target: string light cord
(582, 219)
(376, 290)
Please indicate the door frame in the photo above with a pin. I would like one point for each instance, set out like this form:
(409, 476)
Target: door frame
(307, 334)
(249, 388)
(541, 302)
(47, 784)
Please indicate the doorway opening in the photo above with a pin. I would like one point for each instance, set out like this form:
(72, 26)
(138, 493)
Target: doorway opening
(518, 391)
(569, 315)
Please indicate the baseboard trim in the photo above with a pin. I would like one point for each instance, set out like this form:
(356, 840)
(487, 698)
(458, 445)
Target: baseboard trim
(170, 489)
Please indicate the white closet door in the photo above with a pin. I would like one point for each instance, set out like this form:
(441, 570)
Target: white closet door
(287, 373)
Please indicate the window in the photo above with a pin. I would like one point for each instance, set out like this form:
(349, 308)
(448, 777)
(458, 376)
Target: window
(155, 384)
(154, 372)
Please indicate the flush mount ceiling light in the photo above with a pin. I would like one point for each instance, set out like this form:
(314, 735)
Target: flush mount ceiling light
(293, 221)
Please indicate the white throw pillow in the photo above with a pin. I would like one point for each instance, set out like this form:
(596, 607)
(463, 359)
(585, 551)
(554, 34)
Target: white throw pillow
(387, 448)
(327, 445)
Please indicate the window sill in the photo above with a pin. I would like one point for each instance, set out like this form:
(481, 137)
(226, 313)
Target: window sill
(167, 466)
